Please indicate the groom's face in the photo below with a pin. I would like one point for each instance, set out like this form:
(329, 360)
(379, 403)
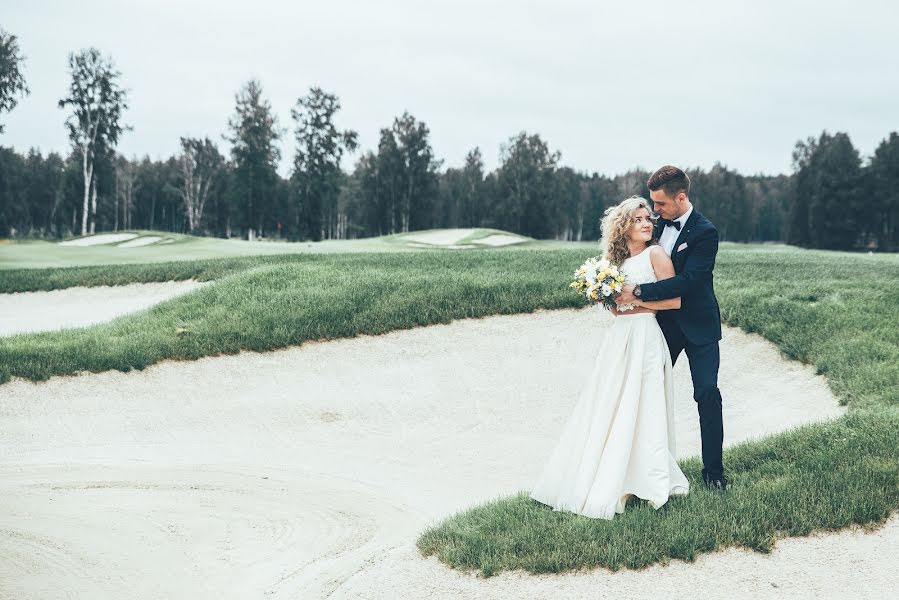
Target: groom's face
(666, 206)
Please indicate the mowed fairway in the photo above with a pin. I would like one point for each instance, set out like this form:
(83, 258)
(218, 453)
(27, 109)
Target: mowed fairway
(126, 248)
(298, 467)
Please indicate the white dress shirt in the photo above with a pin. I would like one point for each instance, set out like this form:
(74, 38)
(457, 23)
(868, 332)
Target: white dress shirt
(670, 234)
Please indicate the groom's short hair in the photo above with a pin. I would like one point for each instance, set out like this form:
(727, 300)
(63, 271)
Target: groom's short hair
(671, 179)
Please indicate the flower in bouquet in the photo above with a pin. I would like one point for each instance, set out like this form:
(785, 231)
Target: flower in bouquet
(599, 281)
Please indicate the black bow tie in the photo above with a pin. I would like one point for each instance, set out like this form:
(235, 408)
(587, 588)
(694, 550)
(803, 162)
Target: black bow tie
(675, 224)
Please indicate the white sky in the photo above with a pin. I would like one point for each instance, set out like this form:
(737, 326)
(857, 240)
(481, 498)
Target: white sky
(612, 85)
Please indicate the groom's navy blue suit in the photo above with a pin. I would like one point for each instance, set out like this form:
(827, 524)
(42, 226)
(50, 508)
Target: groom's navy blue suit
(695, 327)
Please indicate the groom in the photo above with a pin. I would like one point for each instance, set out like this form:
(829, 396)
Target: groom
(692, 243)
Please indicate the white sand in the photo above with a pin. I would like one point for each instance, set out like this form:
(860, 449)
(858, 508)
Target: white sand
(309, 472)
(439, 237)
(27, 312)
(448, 247)
(141, 241)
(500, 239)
(100, 238)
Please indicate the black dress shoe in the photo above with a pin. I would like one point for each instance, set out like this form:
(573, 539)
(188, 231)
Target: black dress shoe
(715, 483)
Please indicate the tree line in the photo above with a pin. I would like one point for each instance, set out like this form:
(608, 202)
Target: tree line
(397, 187)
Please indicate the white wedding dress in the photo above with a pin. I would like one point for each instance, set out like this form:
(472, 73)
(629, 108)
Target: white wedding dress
(619, 439)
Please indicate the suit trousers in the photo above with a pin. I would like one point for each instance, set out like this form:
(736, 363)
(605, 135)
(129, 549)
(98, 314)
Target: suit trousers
(704, 362)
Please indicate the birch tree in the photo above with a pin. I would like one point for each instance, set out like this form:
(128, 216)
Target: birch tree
(12, 82)
(94, 125)
(201, 165)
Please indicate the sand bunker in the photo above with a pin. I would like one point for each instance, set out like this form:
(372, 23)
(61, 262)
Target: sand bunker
(500, 239)
(439, 237)
(141, 241)
(30, 312)
(101, 238)
(310, 472)
(449, 238)
(448, 247)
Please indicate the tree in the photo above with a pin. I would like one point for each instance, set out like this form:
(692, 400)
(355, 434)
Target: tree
(568, 206)
(12, 82)
(884, 171)
(400, 183)
(254, 131)
(94, 126)
(829, 187)
(362, 197)
(720, 194)
(43, 190)
(316, 167)
(388, 168)
(125, 172)
(13, 209)
(417, 172)
(462, 194)
(201, 164)
(471, 195)
(525, 182)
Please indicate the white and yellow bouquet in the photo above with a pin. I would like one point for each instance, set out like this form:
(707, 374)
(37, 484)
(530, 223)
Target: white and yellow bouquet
(599, 280)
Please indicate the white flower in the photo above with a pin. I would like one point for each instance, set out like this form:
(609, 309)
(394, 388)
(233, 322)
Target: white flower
(614, 271)
(603, 264)
(606, 290)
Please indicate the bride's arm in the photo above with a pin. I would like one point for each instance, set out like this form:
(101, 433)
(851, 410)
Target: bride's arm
(664, 269)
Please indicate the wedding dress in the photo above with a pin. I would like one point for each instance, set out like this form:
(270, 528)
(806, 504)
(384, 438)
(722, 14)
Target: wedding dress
(619, 439)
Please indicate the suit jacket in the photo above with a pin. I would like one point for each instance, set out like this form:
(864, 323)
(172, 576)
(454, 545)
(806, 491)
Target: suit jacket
(693, 255)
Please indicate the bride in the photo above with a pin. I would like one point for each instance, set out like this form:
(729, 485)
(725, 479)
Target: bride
(619, 439)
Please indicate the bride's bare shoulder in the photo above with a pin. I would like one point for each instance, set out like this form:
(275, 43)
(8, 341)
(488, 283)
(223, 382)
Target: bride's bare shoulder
(656, 252)
(661, 262)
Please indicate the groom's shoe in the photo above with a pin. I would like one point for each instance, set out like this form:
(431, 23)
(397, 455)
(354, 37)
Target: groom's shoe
(718, 484)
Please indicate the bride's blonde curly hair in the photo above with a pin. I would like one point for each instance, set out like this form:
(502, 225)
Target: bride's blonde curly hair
(615, 224)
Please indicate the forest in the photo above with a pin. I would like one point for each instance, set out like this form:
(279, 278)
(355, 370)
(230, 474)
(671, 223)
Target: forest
(834, 198)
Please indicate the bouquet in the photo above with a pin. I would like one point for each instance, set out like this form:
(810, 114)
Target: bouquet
(599, 280)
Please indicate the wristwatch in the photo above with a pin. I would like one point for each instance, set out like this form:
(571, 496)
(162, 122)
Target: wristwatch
(637, 291)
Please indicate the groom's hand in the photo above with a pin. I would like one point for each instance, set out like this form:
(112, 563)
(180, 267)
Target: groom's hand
(626, 296)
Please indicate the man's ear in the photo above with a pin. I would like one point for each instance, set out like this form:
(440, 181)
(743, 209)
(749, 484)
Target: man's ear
(681, 197)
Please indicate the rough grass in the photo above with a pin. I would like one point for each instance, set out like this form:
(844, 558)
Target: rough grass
(839, 312)
(266, 303)
(815, 477)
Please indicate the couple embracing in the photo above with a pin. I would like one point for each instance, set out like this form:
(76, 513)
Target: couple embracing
(619, 440)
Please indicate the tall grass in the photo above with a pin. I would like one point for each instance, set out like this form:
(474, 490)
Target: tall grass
(837, 311)
(267, 303)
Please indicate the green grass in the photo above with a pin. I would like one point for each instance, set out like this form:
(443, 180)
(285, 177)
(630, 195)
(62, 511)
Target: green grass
(36, 254)
(273, 302)
(837, 311)
(815, 477)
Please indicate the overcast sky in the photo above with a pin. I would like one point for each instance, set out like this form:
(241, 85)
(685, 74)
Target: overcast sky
(611, 85)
